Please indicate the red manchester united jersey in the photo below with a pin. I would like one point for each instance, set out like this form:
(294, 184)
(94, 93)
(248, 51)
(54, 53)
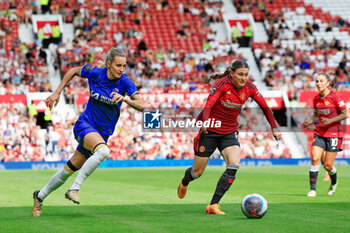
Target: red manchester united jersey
(329, 106)
(226, 101)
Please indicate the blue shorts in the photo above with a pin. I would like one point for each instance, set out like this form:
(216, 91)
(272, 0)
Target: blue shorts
(81, 128)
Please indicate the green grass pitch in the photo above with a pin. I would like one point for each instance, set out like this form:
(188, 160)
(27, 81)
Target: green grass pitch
(145, 200)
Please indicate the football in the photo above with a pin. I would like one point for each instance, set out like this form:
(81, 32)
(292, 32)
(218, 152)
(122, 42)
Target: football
(254, 206)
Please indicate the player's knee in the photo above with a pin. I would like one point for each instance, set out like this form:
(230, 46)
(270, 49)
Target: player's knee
(328, 167)
(70, 168)
(101, 151)
(315, 162)
(198, 172)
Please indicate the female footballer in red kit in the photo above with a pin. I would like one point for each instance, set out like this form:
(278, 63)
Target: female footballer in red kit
(224, 103)
(329, 110)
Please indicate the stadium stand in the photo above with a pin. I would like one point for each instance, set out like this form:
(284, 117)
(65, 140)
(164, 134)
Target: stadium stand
(170, 45)
(305, 37)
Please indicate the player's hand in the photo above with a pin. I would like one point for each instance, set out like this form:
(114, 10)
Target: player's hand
(52, 100)
(204, 130)
(311, 127)
(276, 134)
(117, 97)
(326, 121)
(308, 123)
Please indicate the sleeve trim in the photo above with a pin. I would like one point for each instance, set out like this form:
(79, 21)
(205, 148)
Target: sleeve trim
(79, 73)
(136, 92)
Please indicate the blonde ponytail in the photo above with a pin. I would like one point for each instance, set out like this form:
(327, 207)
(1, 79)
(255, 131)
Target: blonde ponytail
(102, 62)
(109, 57)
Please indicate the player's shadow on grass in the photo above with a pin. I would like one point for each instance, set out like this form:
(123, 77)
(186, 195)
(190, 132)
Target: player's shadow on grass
(157, 210)
(173, 218)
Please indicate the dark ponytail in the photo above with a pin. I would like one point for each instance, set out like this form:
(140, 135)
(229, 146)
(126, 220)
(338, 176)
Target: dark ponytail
(234, 66)
(334, 83)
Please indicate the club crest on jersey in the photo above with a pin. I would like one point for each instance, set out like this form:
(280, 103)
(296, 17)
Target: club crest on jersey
(201, 149)
(115, 90)
(242, 96)
(326, 103)
(212, 92)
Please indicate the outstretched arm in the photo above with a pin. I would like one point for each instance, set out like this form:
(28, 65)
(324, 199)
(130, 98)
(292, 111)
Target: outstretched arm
(54, 98)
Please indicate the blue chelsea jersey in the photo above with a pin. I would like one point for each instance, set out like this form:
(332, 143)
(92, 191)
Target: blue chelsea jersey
(101, 113)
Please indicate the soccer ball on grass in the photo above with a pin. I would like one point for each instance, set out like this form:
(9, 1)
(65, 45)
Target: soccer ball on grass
(254, 206)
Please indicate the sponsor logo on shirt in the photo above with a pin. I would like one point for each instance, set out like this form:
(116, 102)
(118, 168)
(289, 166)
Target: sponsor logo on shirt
(324, 111)
(102, 98)
(229, 104)
(341, 103)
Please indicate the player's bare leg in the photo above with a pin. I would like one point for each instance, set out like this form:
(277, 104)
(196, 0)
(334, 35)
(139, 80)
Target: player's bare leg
(326, 177)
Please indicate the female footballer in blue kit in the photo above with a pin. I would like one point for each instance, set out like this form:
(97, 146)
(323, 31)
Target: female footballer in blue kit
(109, 87)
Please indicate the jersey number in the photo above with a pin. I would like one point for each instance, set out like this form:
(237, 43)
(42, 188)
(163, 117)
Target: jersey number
(334, 142)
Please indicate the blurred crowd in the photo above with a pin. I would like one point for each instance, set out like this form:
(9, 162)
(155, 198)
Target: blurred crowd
(293, 67)
(160, 67)
(23, 66)
(295, 52)
(22, 140)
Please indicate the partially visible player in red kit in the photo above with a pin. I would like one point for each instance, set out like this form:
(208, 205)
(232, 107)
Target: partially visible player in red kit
(224, 104)
(329, 110)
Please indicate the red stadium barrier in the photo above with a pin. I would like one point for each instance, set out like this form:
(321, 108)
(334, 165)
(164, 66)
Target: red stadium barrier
(11, 98)
(274, 102)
